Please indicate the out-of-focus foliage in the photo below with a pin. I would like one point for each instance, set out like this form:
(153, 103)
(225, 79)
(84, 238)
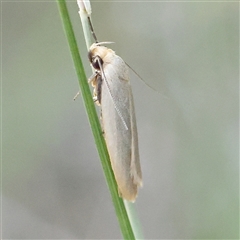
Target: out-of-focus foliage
(52, 181)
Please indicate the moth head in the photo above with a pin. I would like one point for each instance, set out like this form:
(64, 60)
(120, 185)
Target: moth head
(95, 60)
(97, 54)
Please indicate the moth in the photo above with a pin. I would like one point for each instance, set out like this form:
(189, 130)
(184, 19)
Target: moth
(113, 92)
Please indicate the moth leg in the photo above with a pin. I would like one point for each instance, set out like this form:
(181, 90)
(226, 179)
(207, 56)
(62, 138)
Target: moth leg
(119, 193)
(95, 96)
(75, 97)
(101, 122)
(91, 80)
(98, 89)
(94, 82)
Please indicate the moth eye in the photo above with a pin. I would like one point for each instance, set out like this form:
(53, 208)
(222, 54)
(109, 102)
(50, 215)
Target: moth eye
(95, 62)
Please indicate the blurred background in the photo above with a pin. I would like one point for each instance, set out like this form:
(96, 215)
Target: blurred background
(52, 181)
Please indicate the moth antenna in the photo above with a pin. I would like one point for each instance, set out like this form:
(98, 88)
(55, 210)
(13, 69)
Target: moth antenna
(109, 91)
(146, 82)
(92, 30)
(103, 43)
(94, 35)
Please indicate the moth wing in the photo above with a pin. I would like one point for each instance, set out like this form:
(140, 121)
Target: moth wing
(122, 143)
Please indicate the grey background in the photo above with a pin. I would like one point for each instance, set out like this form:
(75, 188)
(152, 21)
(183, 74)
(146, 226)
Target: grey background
(52, 182)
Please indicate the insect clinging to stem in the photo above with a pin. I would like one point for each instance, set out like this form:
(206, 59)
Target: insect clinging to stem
(112, 91)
